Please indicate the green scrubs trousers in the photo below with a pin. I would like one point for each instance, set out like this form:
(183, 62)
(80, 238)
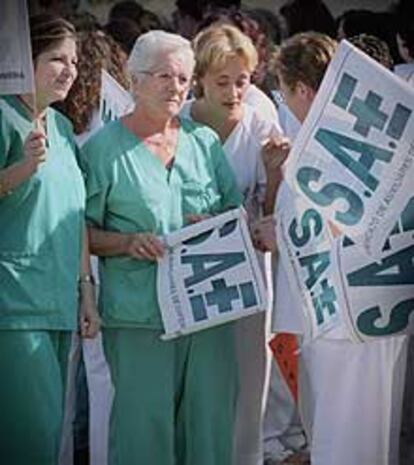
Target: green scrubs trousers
(174, 401)
(33, 375)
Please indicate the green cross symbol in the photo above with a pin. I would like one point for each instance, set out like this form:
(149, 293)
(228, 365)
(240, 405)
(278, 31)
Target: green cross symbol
(368, 113)
(222, 295)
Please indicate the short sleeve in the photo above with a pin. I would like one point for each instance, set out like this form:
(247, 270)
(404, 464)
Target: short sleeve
(97, 183)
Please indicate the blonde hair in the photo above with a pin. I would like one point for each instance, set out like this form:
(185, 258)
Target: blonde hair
(214, 45)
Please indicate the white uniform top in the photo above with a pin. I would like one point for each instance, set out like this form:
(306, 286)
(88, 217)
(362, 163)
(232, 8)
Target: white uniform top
(243, 149)
(261, 103)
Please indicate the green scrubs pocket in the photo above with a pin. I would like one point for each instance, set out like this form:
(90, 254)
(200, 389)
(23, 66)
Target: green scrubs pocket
(28, 284)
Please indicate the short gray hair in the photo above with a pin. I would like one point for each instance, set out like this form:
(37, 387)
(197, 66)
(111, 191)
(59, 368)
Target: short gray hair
(150, 46)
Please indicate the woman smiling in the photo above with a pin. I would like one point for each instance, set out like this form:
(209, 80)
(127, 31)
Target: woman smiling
(44, 267)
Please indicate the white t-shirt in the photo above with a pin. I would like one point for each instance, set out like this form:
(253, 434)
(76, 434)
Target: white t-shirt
(243, 149)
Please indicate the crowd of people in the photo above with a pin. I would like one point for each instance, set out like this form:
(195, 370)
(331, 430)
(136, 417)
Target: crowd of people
(220, 92)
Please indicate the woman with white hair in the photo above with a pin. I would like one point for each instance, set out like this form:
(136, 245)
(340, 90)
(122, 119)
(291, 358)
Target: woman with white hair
(148, 174)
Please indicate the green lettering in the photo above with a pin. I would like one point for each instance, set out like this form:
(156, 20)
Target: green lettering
(399, 319)
(309, 218)
(206, 265)
(316, 264)
(326, 300)
(329, 194)
(396, 269)
(336, 144)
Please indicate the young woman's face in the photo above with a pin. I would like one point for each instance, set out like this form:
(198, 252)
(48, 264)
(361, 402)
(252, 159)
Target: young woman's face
(55, 72)
(223, 89)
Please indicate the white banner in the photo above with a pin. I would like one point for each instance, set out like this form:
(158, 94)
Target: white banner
(378, 294)
(16, 67)
(114, 102)
(305, 245)
(353, 158)
(209, 275)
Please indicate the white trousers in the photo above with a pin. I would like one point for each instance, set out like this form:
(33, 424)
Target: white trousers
(407, 428)
(351, 396)
(66, 446)
(100, 396)
(252, 334)
(254, 361)
(282, 429)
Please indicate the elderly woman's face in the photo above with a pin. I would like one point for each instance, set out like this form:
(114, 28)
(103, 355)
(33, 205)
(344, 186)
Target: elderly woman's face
(224, 88)
(164, 89)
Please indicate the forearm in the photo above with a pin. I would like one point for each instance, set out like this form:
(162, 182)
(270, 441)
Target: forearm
(272, 186)
(108, 243)
(14, 175)
(85, 269)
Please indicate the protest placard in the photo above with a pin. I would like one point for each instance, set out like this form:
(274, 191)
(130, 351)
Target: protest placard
(353, 159)
(16, 68)
(377, 294)
(305, 244)
(209, 275)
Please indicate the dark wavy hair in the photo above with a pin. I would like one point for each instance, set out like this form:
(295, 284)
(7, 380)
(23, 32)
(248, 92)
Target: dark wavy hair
(373, 47)
(96, 50)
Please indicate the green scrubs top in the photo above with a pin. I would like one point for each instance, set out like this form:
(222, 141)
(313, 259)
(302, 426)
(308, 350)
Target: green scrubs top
(41, 226)
(129, 190)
